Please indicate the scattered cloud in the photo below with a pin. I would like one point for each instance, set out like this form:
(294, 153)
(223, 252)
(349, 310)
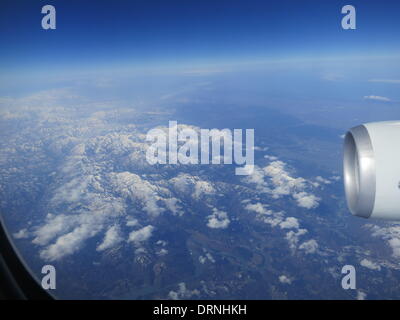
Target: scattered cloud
(206, 257)
(70, 242)
(111, 239)
(370, 265)
(22, 234)
(391, 234)
(275, 179)
(293, 237)
(218, 219)
(323, 180)
(378, 98)
(162, 243)
(361, 295)
(183, 292)
(103, 184)
(306, 200)
(289, 223)
(173, 206)
(278, 219)
(203, 188)
(132, 186)
(285, 279)
(309, 246)
(193, 186)
(131, 222)
(266, 215)
(141, 235)
(162, 252)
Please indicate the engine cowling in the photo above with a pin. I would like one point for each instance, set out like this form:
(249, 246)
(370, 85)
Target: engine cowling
(371, 167)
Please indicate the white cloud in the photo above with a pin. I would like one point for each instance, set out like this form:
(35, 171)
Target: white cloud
(111, 239)
(309, 246)
(97, 184)
(370, 265)
(378, 98)
(54, 225)
(391, 234)
(21, 234)
(139, 251)
(134, 187)
(210, 257)
(267, 216)
(162, 252)
(203, 188)
(290, 223)
(141, 235)
(395, 245)
(70, 242)
(162, 243)
(87, 195)
(183, 182)
(271, 158)
(361, 295)
(63, 234)
(206, 257)
(275, 179)
(218, 219)
(193, 186)
(284, 279)
(256, 207)
(183, 292)
(306, 200)
(278, 219)
(172, 205)
(323, 180)
(257, 178)
(132, 222)
(283, 183)
(257, 148)
(293, 237)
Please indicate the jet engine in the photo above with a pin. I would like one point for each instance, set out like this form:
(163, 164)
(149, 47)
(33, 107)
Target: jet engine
(371, 167)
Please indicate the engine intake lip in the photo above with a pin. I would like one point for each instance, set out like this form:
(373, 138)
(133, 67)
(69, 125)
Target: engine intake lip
(359, 172)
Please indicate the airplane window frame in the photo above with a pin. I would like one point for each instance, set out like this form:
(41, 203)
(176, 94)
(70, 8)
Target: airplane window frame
(16, 280)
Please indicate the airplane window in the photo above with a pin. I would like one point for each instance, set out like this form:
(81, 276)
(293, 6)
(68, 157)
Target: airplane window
(173, 150)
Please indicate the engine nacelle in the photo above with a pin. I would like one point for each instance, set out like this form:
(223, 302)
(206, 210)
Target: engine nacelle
(371, 167)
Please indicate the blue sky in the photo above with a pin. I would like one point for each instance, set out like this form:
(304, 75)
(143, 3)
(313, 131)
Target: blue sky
(98, 34)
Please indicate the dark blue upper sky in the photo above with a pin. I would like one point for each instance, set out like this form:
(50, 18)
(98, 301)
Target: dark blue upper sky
(107, 34)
